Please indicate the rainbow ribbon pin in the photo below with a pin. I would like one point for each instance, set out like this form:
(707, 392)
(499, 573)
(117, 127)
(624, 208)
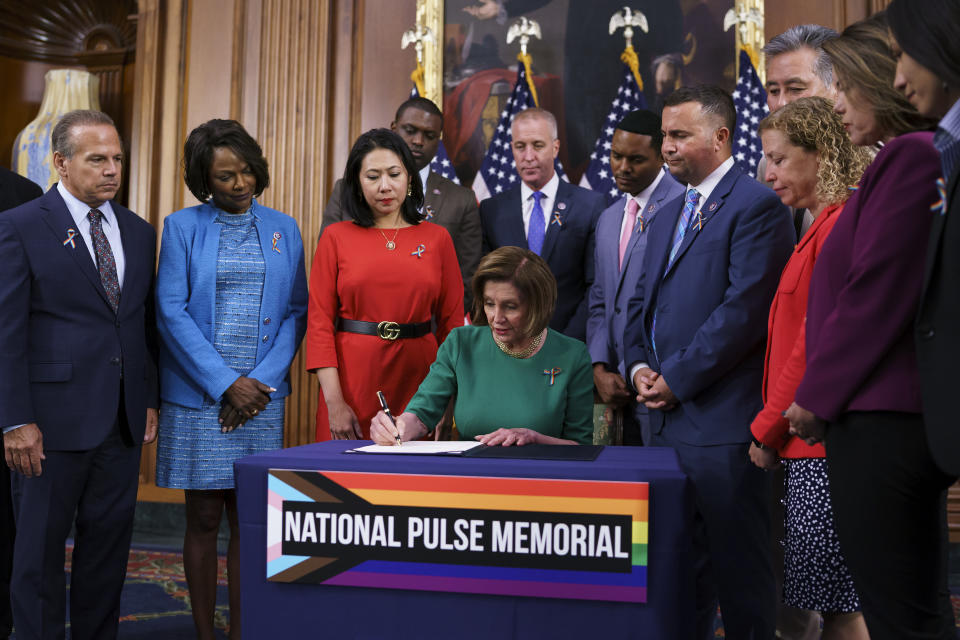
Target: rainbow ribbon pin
(418, 251)
(553, 373)
(276, 238)
(557, 220)
(940, 206)
(71, 234)
(699, 223)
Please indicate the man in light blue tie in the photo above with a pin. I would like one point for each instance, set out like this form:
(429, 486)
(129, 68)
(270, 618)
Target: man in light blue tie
(695, 339)
(547, 215)
(621, 238)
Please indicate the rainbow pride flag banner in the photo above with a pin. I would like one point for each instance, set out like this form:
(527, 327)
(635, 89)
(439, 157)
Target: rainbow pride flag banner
(580, 539)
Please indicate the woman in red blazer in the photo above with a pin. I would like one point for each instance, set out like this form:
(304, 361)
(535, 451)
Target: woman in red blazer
(812, 165)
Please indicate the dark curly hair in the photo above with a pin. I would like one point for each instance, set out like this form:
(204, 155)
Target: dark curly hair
(198, 155)
(353, 202)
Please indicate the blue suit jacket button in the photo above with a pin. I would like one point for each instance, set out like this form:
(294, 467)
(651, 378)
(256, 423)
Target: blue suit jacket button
(266, 321)
(265, 338)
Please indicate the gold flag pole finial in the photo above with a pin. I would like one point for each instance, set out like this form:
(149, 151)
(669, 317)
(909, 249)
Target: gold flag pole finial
(417, 36)
(627, 20)
(749, 23)
(525, 29)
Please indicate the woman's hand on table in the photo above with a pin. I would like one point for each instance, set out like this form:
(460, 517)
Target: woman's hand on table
(509, 437)
(384, 433)
(343, 422)
(249, 396)
(805, 424)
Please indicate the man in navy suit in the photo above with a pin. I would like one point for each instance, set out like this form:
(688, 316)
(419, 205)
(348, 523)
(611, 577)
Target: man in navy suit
(547, 215)
(695, 341)
(78, 392)
(621, 241)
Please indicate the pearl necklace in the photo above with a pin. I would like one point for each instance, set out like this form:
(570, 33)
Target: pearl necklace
(520, 354)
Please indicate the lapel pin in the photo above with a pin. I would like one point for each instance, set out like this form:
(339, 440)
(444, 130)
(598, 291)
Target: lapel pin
(276, 238)
(429, 214)
(699, 223)
(71, 234)
(940, 206)
(561, 205)
(713, 206)
(553, 373)
(557, 220)
(436, 192)
(651, 208)
(418, 251)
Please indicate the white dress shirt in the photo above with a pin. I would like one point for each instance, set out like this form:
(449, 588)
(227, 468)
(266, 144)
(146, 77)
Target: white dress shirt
(642, 199)
(547, 202)
(78, 211)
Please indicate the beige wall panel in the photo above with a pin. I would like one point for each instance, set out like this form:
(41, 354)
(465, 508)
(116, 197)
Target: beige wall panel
(386, 68)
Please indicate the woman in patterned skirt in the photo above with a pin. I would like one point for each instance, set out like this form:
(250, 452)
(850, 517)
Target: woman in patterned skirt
(231, 312)
(811, 164)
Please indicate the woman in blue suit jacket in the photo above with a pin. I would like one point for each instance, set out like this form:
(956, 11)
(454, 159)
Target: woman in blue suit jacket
(231, 312)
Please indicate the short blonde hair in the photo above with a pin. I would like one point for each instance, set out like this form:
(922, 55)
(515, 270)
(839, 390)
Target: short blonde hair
(812, 124)
(529, 274)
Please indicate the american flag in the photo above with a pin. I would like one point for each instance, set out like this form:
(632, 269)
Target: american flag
(441, 162)
(597, 176)
(750, 100)
(498, 172)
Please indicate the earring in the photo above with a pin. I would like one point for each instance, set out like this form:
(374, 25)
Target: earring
(409, 189)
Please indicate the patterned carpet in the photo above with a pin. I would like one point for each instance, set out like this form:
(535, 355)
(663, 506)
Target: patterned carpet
(155, 604)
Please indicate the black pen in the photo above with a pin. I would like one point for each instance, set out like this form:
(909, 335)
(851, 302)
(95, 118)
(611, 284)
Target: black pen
(386, 410)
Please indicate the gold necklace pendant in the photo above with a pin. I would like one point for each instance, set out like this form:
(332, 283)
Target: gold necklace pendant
(519, 354)
(391, 242)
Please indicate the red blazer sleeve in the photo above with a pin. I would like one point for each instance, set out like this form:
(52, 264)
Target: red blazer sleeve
(449, 309)
(320, 347)
(770, 427)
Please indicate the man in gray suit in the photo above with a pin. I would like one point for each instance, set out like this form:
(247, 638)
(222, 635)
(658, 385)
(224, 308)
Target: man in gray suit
(621, 240)
(419, 122)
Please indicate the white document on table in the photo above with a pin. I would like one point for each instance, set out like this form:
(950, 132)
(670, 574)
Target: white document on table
(421, 447)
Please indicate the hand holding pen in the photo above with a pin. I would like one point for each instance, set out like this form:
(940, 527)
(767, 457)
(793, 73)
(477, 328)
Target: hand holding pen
(386, 410)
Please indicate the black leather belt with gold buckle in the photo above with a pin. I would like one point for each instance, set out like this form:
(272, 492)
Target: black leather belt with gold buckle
(385, 330)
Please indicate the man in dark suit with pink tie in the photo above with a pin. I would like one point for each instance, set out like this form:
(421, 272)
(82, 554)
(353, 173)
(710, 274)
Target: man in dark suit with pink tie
(621, 235)
(78, 391)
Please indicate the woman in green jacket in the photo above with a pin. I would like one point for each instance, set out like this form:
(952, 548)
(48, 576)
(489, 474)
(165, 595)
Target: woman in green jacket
(515, 381)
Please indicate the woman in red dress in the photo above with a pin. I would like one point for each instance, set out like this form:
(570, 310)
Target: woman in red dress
(385, 290)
